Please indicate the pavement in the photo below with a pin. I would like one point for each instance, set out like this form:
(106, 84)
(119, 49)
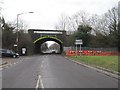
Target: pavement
(6, 62)
(54, 71)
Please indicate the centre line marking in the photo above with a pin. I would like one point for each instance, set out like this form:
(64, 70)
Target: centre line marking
(43, 62)
(41, 66)
(39, 81)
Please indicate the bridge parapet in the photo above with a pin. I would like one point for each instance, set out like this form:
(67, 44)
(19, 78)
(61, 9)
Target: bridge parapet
(38, 33)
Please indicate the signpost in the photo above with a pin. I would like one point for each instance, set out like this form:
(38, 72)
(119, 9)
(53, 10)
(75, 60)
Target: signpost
(78, 42)
(15, 47)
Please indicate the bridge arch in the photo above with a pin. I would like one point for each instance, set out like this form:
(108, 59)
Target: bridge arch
(38, 42)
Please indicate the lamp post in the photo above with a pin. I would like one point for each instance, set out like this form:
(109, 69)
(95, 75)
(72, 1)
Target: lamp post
(18, 30)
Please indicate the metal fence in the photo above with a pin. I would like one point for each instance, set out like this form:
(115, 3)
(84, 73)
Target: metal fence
(96, 49)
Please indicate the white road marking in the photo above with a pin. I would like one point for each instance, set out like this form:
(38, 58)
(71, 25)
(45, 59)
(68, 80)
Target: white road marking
(14, 63)
(41, 66)
(1, 69)
(39, 81)
(43, 62)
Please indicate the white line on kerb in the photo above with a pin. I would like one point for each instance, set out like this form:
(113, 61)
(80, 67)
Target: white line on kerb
(39, 81)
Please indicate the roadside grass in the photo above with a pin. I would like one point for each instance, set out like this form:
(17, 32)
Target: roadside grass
(108, 62)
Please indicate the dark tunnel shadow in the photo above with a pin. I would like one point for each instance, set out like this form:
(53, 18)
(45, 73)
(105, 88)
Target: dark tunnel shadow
(39, 43)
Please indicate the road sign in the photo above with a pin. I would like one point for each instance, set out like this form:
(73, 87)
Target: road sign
(78, 42)
(15, 45)
(23, 51)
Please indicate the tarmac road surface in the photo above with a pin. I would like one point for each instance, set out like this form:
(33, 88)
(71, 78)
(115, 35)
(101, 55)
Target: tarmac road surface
(53, 71)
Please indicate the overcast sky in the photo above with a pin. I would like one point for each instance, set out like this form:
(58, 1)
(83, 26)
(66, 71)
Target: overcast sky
(47, 12)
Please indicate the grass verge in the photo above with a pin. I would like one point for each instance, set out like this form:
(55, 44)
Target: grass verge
(108, 62)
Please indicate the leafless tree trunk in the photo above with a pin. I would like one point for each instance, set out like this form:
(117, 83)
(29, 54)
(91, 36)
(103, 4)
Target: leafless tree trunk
(62, 23)
(80, 18)
(112, 19)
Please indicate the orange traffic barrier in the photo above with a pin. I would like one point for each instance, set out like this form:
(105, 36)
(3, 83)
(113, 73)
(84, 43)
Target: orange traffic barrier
(90, 53)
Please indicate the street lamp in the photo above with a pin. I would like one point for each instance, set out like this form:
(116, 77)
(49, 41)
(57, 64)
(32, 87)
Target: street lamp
(18, 30)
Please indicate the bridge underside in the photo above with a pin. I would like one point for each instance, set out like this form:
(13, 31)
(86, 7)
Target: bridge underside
(38, 43)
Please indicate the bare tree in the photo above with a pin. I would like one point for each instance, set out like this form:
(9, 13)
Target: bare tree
(119, 10)
(80, 18)
(22, 26)
(106, 23)
(118, 25)
(1, 3)
(112, 19)
(62, 23)
(1, 24)
(94, 22)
